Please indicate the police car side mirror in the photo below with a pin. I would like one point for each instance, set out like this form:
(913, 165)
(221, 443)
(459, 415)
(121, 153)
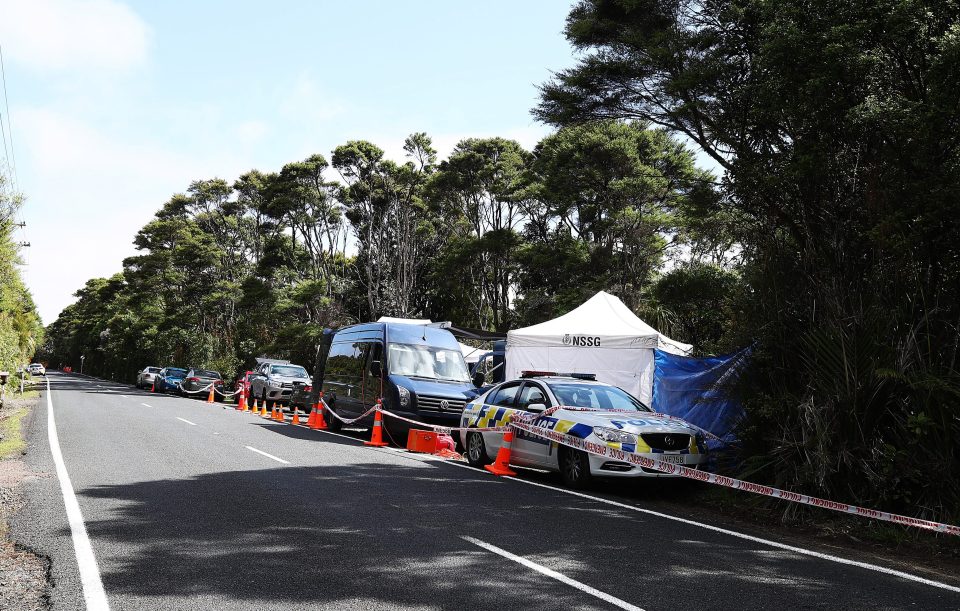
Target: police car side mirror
(536, 407)
(479, 379)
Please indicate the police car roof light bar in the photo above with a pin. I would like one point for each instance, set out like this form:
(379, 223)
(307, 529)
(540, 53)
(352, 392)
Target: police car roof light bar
(541, 374)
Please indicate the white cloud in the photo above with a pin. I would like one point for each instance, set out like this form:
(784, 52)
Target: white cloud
(73, 35)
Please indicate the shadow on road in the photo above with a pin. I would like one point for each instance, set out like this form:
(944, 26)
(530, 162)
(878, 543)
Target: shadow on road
(386, 535)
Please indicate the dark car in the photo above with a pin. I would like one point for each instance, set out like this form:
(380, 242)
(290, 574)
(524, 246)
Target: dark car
(301, 396)
(198, 380)
(169, 379)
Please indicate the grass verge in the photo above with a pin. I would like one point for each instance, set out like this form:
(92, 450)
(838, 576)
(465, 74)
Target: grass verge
(11, 436)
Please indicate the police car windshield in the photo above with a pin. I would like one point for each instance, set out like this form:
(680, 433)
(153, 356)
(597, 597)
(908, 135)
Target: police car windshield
(289, 370)
(173, 371)
(596, 396)
(427, 362)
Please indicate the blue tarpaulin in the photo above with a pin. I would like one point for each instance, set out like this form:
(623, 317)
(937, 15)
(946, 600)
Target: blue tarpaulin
(696, 389)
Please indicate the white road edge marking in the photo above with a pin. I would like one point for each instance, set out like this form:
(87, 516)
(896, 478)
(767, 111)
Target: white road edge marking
(187, 421)
(267, 455)
(93, 592)
(732, 533)
(145, 405)
(613, 600)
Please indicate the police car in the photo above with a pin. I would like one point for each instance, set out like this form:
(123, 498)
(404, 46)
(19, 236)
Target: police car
(579, 406)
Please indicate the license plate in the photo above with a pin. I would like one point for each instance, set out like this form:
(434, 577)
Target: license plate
(674, 459)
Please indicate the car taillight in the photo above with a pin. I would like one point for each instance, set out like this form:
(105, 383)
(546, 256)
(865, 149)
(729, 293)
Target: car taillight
(193, 379)
(308, 388)
(218, 382)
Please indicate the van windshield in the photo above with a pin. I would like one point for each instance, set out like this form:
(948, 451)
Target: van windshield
(427, 362)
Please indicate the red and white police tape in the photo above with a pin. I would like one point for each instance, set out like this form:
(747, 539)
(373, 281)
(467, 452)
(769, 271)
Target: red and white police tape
(729, 482)
(599, 449)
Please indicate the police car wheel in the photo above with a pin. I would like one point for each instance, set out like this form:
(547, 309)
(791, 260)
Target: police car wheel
(476, 450)
(575, 468)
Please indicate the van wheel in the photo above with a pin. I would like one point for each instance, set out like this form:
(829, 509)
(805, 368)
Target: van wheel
(476, 450)
(575, 468)
(334, 424)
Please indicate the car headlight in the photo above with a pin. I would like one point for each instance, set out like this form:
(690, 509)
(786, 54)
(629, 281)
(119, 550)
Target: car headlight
(614, 435)
(404, 396)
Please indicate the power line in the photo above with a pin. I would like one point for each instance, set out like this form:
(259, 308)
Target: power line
(11, 156)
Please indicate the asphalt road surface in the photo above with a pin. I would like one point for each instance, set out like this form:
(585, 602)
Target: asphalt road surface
(193, 506)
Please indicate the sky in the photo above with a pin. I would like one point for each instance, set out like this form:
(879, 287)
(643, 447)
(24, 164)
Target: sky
(116, 106)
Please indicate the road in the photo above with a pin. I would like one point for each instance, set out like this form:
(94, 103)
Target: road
(193, 506)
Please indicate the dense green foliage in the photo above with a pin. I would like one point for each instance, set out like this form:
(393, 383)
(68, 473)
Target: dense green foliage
(20, 329)
(836, 123)
(493, 236)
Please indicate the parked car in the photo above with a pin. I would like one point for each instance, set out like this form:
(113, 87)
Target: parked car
(273, 380)
(199, 379)
(169, 379)
(302, 396)
(36, 369)
(417, 370)
(600, 413)
(147, 377)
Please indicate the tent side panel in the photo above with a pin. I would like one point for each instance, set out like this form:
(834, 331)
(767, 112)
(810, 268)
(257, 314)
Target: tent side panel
(631, 370)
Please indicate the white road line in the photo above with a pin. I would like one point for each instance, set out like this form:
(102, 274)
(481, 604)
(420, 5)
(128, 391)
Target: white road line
(267, 455)
(125, 396)
(187, 421)
(733, 533)
(613, 600)
(146, 405)
(93, 592)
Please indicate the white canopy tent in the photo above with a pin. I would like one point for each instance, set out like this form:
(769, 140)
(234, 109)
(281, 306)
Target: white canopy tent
(602, 336)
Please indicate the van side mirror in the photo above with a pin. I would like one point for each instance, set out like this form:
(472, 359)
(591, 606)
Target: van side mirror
(376, 369)
(479, 378)
(536, 407)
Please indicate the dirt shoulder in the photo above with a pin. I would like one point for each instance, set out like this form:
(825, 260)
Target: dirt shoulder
(24, 576)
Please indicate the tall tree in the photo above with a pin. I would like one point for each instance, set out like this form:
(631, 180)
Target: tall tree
(834, 121)
(479, 190)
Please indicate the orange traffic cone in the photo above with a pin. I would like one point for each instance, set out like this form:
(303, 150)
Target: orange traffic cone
(256, 407)
(321, 422)
(318, 424)
(312, 417)
(296, 416)
(153, 387)
(277, 413)
(376, 437)
(242, 405)
(210, 396)
(501, 466)
(263, 410)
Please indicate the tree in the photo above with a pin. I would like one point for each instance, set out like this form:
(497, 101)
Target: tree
(479, 192)
(833, 121)
(608, 200)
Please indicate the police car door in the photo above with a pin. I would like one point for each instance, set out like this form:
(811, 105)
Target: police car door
(530, 448)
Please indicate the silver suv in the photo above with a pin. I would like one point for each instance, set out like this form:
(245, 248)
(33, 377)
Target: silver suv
(273, 380)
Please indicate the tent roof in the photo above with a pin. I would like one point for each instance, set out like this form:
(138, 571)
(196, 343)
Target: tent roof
(603, 316)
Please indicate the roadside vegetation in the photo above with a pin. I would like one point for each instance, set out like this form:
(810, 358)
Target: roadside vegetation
(830, 242)
(21, 332)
